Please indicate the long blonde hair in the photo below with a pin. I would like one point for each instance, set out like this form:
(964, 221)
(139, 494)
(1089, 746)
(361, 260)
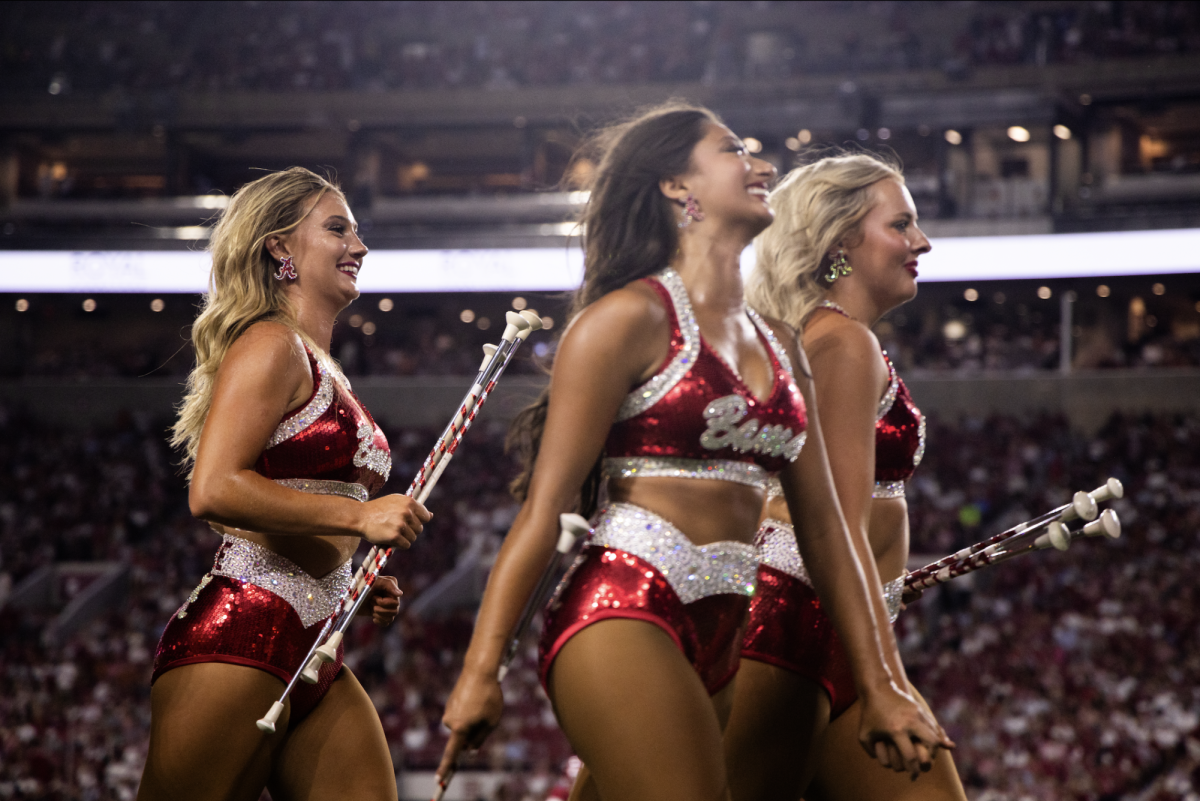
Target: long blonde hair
(816, 206)
(242, 289)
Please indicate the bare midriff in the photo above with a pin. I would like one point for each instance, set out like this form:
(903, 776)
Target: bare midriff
(888, 533)
(315, 555)
(706, 511)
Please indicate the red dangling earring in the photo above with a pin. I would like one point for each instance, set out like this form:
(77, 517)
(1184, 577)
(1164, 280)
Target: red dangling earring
(691, 211)
(286, 269)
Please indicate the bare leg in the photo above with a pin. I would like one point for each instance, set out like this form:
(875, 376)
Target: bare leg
(585, 789)
(203, 741)
(338, 751)
(846, 773)
(769, 742)
(638, 715)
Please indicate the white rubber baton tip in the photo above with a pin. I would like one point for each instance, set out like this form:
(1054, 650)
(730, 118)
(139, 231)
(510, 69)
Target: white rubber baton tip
(312, 671)
(516, 324)
(488, 352)
(576, 524)
(328, 651)
(533, 319)
(1082, 506)
(501, 673)
(1060, 538)
(269, 720)
(1109, 525)
(1111, 490)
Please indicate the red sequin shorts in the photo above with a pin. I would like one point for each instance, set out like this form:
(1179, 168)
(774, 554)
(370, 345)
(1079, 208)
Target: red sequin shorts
(256, 608)
(638, 566)
(788, 628)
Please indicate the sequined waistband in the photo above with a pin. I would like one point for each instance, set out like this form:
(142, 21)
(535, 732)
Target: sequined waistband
(314, 599)
(324, 487)
(888, 489)
(746, 473)
(776, 544)
(693, 571)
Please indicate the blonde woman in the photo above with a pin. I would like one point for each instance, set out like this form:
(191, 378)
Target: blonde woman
(283, 460)
(843, 252)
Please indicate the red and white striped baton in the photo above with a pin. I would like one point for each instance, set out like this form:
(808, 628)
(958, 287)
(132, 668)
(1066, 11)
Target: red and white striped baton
(571, 528)
(1046, 531)
(324, 648)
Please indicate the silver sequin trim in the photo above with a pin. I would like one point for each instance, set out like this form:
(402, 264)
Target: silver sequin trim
(920, 453)
(893, 591)
(776, 543)
(888, 489)
(375, 459)
(889, 397)
(693, 571)
(309, 412)
(344, 488)
(746, 473)
(653, 390)
(774, 487)
(314, 599)
(191, 599)
(769, 334)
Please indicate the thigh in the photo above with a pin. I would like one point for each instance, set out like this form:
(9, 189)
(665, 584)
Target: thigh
(338, 751)
(203, 741)
(638, 715)
(846, 773)
(769, 742)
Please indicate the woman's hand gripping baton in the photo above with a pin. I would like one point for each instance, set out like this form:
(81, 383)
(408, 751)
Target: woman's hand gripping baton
(324, 648)
(572, 527)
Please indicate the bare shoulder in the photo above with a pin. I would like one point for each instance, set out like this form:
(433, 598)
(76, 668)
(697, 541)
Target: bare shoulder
(270, 350)
(787, 337)
(832, 336)
(628, 326)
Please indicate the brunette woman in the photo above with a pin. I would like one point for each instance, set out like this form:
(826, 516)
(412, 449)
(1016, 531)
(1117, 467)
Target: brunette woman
(665, 383)
(843, 252)
(284, 459)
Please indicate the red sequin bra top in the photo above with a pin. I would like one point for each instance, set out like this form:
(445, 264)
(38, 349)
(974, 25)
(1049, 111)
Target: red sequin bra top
(330, 445)
(899, 437)
(696, 418)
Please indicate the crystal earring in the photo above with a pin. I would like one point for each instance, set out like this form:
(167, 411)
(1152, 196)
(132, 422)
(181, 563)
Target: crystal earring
(286, 269)
(691, 211)
(838, 267)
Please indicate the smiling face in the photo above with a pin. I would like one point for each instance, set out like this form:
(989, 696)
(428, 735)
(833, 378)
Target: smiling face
(728, 183)
(326, 251)
(884, 253)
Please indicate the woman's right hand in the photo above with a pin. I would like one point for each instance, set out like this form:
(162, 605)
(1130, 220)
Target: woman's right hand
(393, 521)
(899, 732)
(472, 713)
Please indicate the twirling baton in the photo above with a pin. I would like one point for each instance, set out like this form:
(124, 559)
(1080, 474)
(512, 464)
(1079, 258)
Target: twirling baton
(1083, 505)
(324, 649)
(572, 527)
(1057, 536)
(1025, 537)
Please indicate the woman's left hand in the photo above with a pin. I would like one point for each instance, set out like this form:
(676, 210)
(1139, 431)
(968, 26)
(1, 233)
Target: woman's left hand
(384, 602)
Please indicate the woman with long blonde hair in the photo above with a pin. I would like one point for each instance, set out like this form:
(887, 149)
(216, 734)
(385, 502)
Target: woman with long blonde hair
(283, 461)
(843, 252)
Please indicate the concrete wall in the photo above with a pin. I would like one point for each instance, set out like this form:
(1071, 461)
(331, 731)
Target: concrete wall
(1087, 398)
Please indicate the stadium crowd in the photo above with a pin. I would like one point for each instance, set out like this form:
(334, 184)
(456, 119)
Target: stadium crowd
(138, 47)
(1069, 676)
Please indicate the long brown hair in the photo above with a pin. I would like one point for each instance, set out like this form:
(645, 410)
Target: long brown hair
(630, 231)
(241, 290)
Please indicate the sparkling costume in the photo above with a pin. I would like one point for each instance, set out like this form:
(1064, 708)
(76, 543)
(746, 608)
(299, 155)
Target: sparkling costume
(787, 627)
(255, 607)
(695, 418)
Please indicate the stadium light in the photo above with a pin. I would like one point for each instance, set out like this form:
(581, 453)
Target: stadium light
(554, 269)
(1018, 133)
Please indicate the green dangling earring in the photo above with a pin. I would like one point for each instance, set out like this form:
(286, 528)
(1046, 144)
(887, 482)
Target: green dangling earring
(838, 267)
